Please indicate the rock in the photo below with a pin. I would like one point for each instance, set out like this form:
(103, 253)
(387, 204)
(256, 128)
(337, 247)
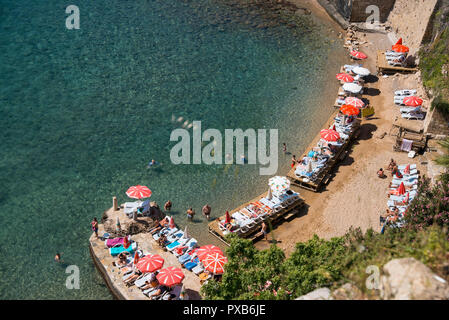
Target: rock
(348, 292)
(409, 279)
(318, 294)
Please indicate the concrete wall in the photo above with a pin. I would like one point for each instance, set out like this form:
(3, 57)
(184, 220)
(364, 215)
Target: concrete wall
(355, 10)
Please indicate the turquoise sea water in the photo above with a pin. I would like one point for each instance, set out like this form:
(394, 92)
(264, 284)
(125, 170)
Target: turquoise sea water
(82, 112)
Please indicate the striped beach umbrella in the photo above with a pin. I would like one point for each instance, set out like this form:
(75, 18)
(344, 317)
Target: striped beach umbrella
(407, 198)
(349, 110)
(412, 101)
(358, 55)
(204, 251)
(407, 169)
(356, 102)
(172, 223)
(227, 217)
(150, 263)
(138, 192)
(345, 77)
(329, 135)
(136, 258)
(279, 184)
(170, 276)
(399, 41)
(214, 263)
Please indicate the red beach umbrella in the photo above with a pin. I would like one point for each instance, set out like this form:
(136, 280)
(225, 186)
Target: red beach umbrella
(136, 258)
(349, 110)
(170, 276)
(227, 217)
(356, 102)
(214, 263)
(172, 223)
(407, 169)
(399, 41)
(204, 251)
(413, 101)
(345, 77)
(329, 135)
(400, 48)
(126, 243)
(401, 189)
(150, 263)
(138, 192)
(358, 55)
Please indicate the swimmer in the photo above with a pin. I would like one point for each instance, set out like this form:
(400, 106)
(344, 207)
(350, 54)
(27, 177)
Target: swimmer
(153, 163)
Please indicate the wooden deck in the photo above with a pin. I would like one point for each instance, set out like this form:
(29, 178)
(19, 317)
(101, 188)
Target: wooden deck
(325, 175)
(384, 67)
(255, 234)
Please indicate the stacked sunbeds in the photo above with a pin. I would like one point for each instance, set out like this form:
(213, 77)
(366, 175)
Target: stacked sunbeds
(316, 163)
(408, 112)
(250, 217)
(408, 176)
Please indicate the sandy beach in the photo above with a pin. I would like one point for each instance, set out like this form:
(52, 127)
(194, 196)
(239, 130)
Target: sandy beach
(355, 196)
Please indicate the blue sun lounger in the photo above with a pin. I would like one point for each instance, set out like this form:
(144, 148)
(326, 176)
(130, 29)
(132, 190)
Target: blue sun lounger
(114, 251)
(192, 264)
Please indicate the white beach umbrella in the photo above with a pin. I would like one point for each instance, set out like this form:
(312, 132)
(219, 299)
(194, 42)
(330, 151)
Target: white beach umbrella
(185, 235)
(361, 71)
(269, 194)
(279, 184)
(352, 87)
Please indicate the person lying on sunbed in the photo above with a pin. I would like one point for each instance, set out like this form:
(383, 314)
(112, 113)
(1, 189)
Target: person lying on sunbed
(159, 226)
(151, 282)
(159, 291)
(133, 278)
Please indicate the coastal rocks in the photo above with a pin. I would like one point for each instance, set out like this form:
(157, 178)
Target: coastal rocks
(409, 279)
(348, 292)
(318, 294)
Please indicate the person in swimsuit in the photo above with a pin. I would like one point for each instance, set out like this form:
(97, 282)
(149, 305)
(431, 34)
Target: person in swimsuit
(167, 205)
(206, 211)
(94, 224)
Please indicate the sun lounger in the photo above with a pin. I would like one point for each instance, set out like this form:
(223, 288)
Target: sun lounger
(412, 194)
(130, 207)
(406, 178)
(412, 172)
(410, 109)
(164, 231)
(114, 251)
(192, 263)
(175, 236)
(140, 282)
(413, 116)
(113, 242)
(402, 167)
(198, 269)
(177, 243)
(405, 92)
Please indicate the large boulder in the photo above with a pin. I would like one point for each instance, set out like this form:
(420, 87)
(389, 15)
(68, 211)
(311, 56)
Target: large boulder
(409, 279)
(318, 294)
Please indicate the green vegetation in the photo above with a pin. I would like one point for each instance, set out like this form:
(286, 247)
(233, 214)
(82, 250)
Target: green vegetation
(434, 59)
(268, 274)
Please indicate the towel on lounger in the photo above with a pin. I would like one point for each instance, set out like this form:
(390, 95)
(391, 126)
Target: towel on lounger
(406, 145)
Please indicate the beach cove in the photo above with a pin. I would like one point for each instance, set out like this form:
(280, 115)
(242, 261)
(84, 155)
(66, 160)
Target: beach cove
(97, 94)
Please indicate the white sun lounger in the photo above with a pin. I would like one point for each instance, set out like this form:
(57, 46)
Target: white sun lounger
(413, 116)
(405, 92)
(402, 167)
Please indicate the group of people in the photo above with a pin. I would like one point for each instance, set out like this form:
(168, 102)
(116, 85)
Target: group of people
(393, 168)
(190, 212)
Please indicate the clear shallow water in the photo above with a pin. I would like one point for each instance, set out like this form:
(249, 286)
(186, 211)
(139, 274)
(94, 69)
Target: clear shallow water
(83, 111)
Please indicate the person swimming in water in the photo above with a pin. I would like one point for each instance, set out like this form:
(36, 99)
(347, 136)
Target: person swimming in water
(153, 163)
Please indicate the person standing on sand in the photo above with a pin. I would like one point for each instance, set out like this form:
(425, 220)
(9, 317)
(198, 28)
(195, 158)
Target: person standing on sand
(94, 224)
(284, 148)
(206, 211)
(167, 205)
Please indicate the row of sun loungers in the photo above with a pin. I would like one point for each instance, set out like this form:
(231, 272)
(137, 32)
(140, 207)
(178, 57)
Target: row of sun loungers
(409, 113)
(401, 202)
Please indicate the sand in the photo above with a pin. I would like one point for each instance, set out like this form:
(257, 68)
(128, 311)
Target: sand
(355, 197)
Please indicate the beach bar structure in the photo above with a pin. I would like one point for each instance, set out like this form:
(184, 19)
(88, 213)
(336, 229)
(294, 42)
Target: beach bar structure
(385, 68)
(324, 175)
(254, 233)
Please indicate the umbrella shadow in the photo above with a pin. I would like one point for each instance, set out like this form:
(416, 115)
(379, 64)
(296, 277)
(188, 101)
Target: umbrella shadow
(371, 78)
(193, 295)
(371, 91)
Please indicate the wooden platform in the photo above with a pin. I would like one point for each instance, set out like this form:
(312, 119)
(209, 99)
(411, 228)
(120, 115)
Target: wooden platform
(384, 67)
(325, 175)
(254, 234)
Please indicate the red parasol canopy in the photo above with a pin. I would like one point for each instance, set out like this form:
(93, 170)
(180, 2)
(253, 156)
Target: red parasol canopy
(204, 251)
(349, 110)
(126, 242)
(345, 77)
(407, 198)
(227, 217)
(401, 189)
(138, 192)
(407, 169)
(400, 48)
(172, 223)
(136, 258)
(329, 135)
(412, 101)
(150, 263)
(358, 55)
(170, 276)
(399, 41)
(214, 263)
